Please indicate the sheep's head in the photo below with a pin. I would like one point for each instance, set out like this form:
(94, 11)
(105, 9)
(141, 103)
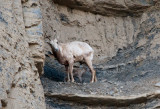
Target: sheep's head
(54, 43)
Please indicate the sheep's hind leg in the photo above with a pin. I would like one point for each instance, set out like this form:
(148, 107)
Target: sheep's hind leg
(71, 71)
(95, 78)
(89, 64)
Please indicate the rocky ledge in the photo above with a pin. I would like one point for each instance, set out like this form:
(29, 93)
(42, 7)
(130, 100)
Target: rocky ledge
(106, 100)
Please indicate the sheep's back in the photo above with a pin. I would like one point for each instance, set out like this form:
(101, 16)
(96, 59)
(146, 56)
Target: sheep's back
(78, 48)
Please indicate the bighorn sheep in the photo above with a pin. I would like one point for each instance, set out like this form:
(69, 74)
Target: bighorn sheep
(68, 53)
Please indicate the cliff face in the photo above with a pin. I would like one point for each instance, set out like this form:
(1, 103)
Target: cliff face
(106, 34)
(21, 55)
(125, 35)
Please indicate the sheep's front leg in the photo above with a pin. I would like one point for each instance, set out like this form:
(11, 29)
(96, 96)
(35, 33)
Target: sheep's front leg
(71, 70)
(67, 70)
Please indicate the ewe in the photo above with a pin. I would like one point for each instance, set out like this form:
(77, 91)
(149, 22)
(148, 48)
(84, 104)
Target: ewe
(68, 53)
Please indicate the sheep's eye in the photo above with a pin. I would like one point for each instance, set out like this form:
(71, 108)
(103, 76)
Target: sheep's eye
(57, 42)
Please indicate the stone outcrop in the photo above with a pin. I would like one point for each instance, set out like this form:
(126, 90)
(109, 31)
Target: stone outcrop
(20, 43)
(110, 7)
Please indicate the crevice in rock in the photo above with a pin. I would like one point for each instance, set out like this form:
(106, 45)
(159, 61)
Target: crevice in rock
(39, 66)
(4, 103)
(33, 25)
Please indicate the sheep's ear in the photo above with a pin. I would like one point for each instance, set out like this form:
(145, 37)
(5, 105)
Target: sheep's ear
(55, 40)
(47, 41)
(48, 38)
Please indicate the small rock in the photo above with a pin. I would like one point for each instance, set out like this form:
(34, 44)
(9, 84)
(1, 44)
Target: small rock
(157, 84)
(121, 87)
(111, 92)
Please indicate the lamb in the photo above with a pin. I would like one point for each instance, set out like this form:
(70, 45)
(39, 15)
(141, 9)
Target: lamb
(78, 72)
(69, 53)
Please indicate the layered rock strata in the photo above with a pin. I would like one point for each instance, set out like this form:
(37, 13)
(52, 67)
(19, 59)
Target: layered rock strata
(21, 41)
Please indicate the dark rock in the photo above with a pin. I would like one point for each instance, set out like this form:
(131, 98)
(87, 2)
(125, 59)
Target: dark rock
(110, 7)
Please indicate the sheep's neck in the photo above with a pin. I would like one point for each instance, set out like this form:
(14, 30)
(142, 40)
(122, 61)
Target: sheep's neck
(58, 55)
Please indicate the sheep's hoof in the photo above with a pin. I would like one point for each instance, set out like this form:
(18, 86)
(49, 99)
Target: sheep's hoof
(72, 80)
(91, 81)
(68, 80)
(95, 79)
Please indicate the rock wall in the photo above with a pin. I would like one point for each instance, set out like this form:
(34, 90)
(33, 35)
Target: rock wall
(21, 55)
(116, 29)
(33, 26)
